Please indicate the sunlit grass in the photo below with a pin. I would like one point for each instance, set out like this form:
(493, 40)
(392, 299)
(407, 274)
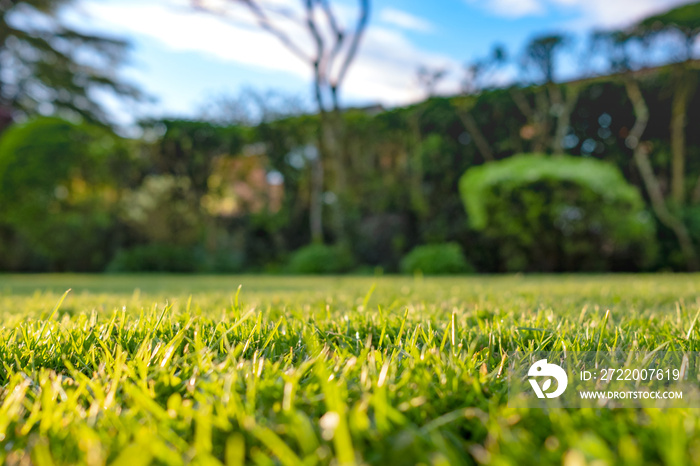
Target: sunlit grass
(134, 370)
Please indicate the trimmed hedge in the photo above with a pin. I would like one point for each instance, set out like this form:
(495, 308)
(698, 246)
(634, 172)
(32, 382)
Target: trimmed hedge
(557, 214)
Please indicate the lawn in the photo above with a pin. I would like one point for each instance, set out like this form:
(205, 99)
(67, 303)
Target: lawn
(132, 370)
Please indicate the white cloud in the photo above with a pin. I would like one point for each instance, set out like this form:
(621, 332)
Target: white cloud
(403, 20)
(385, 69)
(183, 30)
(511, 8)
(610, 13)
(603, 13)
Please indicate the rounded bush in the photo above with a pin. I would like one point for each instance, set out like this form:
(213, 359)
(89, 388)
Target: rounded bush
(559, 214)
(320, 259)
(436, 259)
(156, 258)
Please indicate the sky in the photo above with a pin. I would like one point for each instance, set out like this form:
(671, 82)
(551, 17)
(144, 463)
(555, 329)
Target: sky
(186, 58)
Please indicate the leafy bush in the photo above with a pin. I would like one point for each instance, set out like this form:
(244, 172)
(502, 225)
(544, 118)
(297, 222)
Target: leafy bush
(157, 258)
(436, 259)
(164, 210)
(320, 259)
(559, 214)
(59, 183)
(224, 262)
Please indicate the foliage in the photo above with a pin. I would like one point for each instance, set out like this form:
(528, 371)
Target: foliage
(684, 19)
(48, 66)
(163, 210)
(188, 149)
(602, 178)
(436, 259)
(58, 190)
(401, 181)
(301, 372)
(541, 53)
(156, 258)
(320, 259)
(555, 213)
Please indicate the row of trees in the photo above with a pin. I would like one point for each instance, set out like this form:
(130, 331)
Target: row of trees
(240, 192)
(624, 55)
(548, 114)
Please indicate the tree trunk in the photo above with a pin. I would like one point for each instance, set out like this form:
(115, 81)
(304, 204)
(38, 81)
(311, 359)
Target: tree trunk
(536, 117)
(564, 118)
(317, 172)
(316, 207)
(479, 140)
(542, 121)
(336, 145)
(5, 106)
(679, 107)
(418, 201)
(641, 159)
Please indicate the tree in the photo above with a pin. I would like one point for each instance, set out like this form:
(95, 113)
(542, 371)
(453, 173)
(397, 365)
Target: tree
(428, 79)
(540, 58)
(185, 158)
(541, 54)
(475, 82)
(681, 23)
(617, 44)
(188, 149)
(43, 64)
(329, 49)
(60, 183)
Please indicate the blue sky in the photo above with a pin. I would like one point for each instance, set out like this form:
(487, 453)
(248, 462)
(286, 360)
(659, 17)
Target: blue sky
(184, 59)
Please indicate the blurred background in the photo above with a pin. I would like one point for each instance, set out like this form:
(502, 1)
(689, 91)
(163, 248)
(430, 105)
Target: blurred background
(349, 136)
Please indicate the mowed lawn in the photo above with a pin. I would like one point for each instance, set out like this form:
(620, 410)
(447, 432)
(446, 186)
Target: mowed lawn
(134, 370)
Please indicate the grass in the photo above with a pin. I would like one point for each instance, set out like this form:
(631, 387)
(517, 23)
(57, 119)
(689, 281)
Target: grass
(132, 370)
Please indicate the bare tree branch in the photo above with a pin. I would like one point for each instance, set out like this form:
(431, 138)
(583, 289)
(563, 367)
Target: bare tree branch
(265, 24)
(328, 44)
(339, 37)
(320, 77)
(337, 30)
(354, 44)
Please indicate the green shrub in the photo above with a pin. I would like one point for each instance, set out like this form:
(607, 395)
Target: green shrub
(59, 183)
(436, 259)
(559, 214)
(224, 262)
(320, 259)
(157, 258)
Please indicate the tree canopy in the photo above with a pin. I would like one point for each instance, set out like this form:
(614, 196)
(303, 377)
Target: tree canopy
(48, 67)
